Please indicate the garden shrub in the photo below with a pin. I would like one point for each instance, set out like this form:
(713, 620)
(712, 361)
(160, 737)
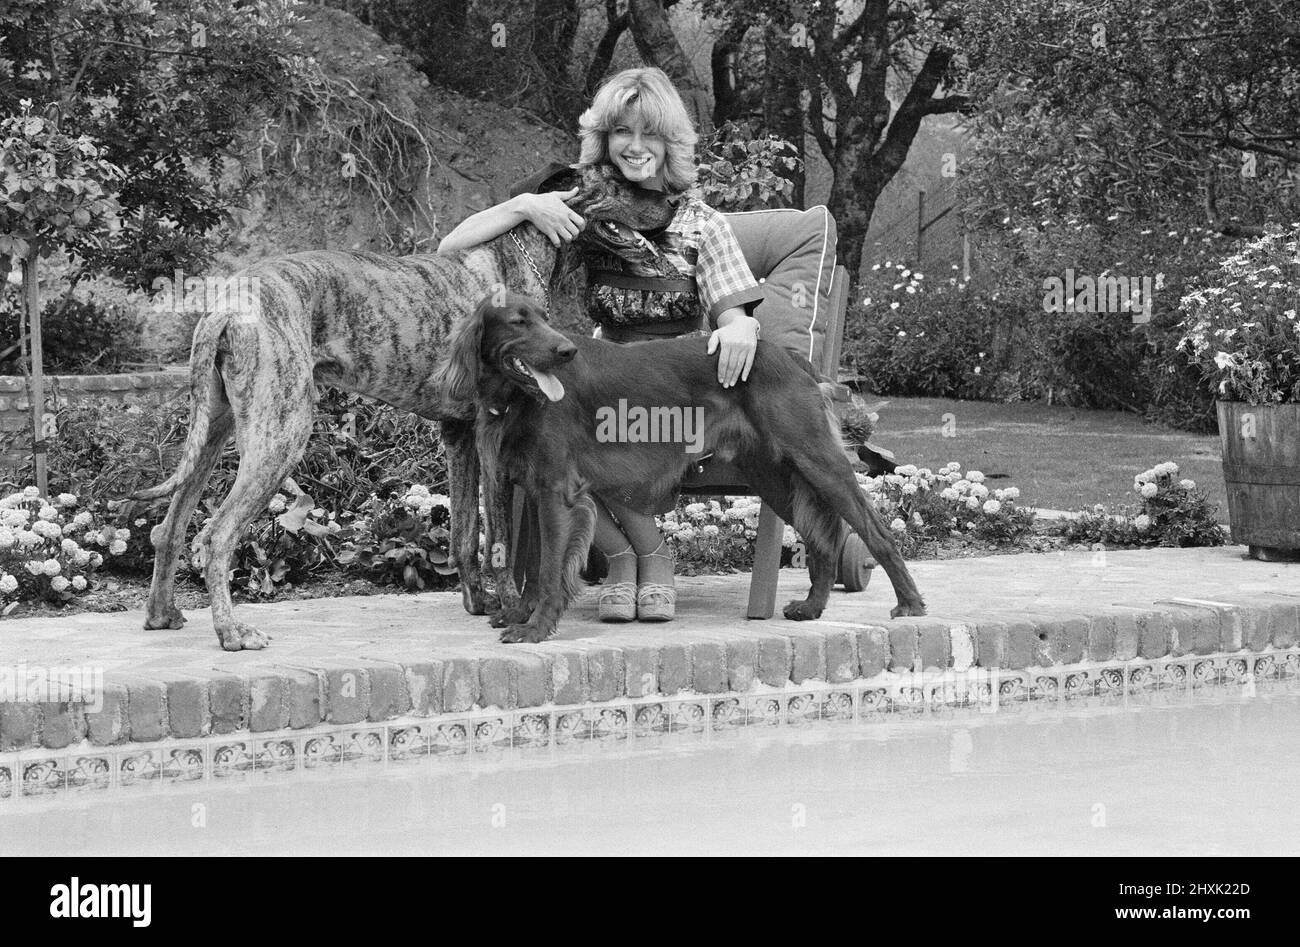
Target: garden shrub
(1172, 513)
(1241, 325)
(78, 335)
(46, 549)
(923, 334)
(922, 507)
(404, 541)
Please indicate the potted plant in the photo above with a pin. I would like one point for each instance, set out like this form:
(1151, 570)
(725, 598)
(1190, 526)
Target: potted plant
(1242, 330)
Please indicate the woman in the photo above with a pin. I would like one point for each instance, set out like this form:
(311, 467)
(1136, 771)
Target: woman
(689, 272)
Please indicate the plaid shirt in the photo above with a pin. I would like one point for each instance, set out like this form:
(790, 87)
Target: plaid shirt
(697, 247)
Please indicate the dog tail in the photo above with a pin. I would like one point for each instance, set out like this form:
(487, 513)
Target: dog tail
(205, 386)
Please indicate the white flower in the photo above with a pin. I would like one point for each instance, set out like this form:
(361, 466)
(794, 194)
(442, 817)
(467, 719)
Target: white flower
(1187, 484)
(96, 560)
(59, 583)
(82, 520)
(69, 546)
(7, 538)
(709, 530)
(1011, 493)
(916, 520)
(1149, 490)
(972, 503)
(961, 485)
(418, 490)
(1142, 522)
(34, 566)
(992, 506)
(279, 503)
(122, 534)
(686, 532)
(48, 513)
(140, 522)
(978, 490)
(117, 547)
(440, 499)
(79, 582)
(898, 525)
(974, 476)
(907, 470)
(909, 489)
(67, 499)
(751, 534)
(31, 492)
(27, 538)
(51, 567)
(8, 584)
(788, 536)
(80, 557)
(948, 493)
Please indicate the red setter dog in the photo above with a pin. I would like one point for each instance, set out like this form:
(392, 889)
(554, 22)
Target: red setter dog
(546, 401)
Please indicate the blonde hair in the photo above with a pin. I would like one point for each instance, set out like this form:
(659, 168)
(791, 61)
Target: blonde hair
(648, 94)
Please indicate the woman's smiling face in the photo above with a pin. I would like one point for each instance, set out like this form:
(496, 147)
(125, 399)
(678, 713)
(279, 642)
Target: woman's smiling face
(637, 153)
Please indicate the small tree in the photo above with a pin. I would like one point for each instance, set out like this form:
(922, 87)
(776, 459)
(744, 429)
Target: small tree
(56, 193)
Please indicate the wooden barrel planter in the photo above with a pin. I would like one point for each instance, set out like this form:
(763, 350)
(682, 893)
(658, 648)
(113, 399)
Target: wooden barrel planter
(1261, 469)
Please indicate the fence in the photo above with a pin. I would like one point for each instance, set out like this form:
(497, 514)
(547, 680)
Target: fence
(927, 233)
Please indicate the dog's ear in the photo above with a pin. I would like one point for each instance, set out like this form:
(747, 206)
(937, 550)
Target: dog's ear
(457, 378)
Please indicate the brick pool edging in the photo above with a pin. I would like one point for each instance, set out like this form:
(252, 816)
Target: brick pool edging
(40, 775)
(328, 696)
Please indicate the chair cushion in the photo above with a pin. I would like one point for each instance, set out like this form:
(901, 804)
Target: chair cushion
(792, 252)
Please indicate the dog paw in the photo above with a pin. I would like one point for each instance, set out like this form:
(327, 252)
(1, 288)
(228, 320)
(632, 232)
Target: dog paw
(165, 618)
(241, 637)
(525, 633)
(801, 611)
(514, 615)
(904, 609)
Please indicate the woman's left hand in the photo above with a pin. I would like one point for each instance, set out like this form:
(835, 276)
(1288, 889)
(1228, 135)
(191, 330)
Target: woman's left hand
(738, 340)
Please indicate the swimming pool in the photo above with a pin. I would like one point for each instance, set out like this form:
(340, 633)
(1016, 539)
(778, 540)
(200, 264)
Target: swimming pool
(1204, 774)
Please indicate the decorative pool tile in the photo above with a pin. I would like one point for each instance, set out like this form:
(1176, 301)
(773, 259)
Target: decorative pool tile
(275, 754)
(139, 767)
(44, 777)
(185, 763)
(39, 775)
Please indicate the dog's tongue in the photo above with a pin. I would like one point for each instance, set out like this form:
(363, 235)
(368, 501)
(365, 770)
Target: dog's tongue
(550, 385)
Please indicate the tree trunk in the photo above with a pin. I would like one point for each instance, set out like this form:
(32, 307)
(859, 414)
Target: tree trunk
(852, 202)
(658, 46)
(782, 114)
(728, 98)
(615, 25)
(555, 22)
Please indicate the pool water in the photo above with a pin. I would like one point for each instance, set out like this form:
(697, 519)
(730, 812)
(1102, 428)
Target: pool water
(1211, 775)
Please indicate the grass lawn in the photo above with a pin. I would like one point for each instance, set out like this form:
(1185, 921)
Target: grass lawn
(1060, 458)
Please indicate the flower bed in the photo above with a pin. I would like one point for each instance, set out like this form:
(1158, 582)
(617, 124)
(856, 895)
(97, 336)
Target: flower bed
(45, 548)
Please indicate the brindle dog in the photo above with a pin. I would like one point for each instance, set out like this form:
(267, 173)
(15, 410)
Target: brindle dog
(367, 323)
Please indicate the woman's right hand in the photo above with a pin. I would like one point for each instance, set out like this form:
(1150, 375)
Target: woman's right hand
(551, 214)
